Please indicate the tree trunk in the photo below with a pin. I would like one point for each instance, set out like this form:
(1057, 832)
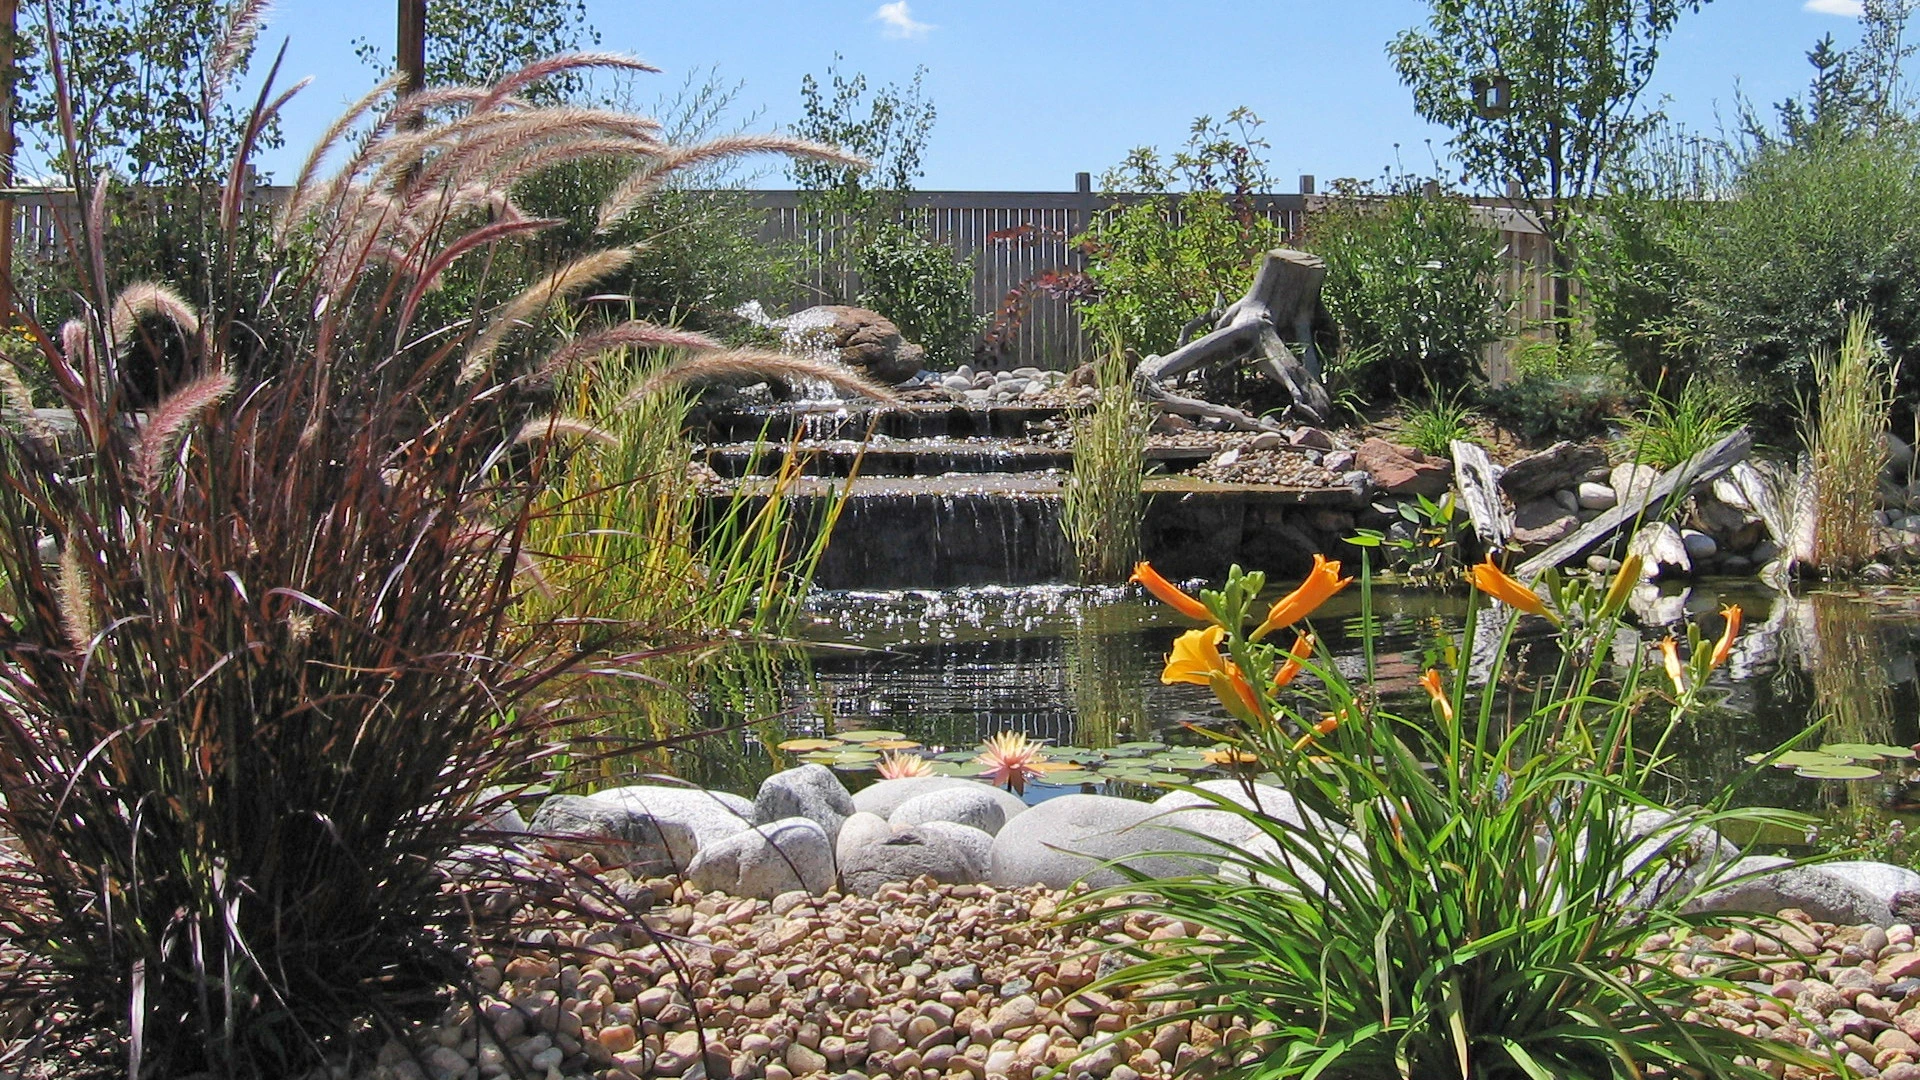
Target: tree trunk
(1284, 294)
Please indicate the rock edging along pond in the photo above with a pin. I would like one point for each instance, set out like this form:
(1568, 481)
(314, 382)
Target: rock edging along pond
(805, 832)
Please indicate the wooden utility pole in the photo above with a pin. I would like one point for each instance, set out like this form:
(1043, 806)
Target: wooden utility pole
(411, 50)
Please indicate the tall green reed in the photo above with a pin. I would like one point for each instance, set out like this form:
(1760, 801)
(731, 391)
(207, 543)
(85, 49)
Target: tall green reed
(1464, 893)
(1847, 439)
(1102, 505)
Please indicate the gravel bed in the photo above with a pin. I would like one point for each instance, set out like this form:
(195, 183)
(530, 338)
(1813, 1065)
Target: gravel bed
(969, 982)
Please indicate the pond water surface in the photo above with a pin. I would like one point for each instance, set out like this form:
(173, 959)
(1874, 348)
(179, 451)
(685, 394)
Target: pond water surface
(1081, 667)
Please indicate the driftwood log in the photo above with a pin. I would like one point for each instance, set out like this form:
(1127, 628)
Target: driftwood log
(1700, 468)
(1474, 477)
(1284, 293)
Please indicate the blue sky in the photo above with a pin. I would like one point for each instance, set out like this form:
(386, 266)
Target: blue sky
(1030, 92)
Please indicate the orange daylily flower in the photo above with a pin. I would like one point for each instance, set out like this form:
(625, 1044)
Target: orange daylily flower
(1670, 652)
(1322, 582)
(1724, 647)
(1431, 682)
(1168, 593)
(1195, 657)
(1324, 727)
(1302, 648)
(1490, 579)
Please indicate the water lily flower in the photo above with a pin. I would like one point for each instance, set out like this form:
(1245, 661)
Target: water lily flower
(1623, 583)
(1431, 682)
(1302, 648)
(1169, 594)
(1322, 582)
(895, 765)
(1724, 647)
(1011, 759)
(1670, 652)
(1195, 657)
(1490, 579)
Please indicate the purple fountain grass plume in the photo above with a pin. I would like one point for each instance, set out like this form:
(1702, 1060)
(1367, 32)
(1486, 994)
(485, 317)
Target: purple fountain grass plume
(538, 159)
(562, 428)
(627, 335)
(170, 421)
(557, 286)
(738, 365)
(493, 152)
(304, 192)
(635, 190)
(74, 587)
(146, 299)
(243, 28)
(564, 63)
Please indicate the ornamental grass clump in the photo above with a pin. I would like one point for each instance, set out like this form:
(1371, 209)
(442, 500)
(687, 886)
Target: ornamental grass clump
(1462, 891)
(277, 670)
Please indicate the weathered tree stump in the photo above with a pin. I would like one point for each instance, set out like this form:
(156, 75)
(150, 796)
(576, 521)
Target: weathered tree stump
(1284, 293)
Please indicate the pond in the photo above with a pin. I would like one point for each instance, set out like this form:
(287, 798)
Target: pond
(1080, 667)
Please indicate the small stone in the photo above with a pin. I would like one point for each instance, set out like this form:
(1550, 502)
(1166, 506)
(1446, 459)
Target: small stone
(803, 1060)
(619, 1038)
(1591, 496)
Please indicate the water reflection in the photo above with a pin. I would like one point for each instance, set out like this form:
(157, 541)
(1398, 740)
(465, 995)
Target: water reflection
(1081, 667)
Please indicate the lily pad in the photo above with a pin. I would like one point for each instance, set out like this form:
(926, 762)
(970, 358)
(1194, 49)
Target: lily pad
(801, 746)
(892, 744)
(1795, 759)
(869, 736)
(1072, 777)
(1866, 751)
(954, 768)
(1837, 772)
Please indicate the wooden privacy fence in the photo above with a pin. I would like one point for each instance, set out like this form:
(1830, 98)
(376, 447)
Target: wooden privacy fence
(1008, 237)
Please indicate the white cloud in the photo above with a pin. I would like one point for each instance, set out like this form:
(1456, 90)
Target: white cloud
(900, 23)
(1851, 9)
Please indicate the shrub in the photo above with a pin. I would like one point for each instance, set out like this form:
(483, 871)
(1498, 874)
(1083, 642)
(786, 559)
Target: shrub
(924, 289)
(1814, 233)
(1432, 427)
(1446, 894)
(276, 676)
(1412, 279)
(1159, 262)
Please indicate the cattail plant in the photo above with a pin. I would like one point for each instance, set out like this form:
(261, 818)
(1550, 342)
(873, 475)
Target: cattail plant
(279, 669)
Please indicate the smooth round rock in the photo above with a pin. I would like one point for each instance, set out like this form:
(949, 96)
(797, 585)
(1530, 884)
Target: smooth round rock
(767, 860)
(907, 854)
(1070, 838)
(974, 805)
(811, 792)
(885, 796)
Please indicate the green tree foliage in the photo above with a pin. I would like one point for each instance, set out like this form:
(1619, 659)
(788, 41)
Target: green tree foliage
(476, 42)
(1411, 285)
(146, 81)
(904, 273)
(1573, 71)
(1161, 261)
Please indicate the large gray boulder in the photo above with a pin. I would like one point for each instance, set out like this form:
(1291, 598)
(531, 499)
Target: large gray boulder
(859, 830)
(1069, 838)
(684, 819)
(767, 860)
(861, 338)
(1193, 811)
(1769, 885)
(573, 825)
(1882, 881)
(885, 796)
(941, 853)
(973, 805)
(811, 792)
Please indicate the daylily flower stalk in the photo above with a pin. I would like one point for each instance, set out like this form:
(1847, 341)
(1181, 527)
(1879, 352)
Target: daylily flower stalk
(1676, 671)
(1490, 579)
(1302, 648)
(1169, 594)
(1724, 647)
(1322, 582)
(1431, 683)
